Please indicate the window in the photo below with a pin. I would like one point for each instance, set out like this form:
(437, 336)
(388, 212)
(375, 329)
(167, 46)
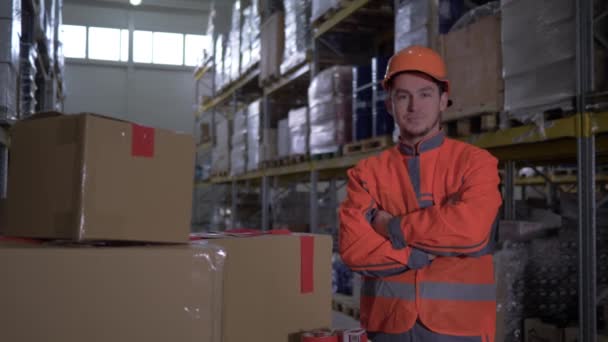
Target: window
(74, 41)
(197, 46)
(168, 48)
(142, 47)
(108, 44)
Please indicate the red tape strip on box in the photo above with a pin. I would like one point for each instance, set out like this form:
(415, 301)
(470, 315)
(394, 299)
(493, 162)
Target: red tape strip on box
(307, 255)
(142, 141)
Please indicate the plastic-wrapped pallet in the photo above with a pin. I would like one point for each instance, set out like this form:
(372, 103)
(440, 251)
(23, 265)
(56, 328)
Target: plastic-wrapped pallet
(320, 7)
(254, 138)
(220, 75)
(234, 40)
(330, 109)
(250, 37)
(27, 70)
(10, 30)
(272, 47)
(238, 153)
(330, 125)
(538, 56)
(297, 33)
(416, 23)
(298, 131)
(283, 139)
(221, 151)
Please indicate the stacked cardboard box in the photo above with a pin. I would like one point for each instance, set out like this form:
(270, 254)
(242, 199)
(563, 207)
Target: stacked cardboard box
(330, 109)
(297, 33)
(474, 62)
(101, 184)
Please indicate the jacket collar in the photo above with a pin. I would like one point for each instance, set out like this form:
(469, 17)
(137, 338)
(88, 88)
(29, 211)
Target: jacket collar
(425, 145)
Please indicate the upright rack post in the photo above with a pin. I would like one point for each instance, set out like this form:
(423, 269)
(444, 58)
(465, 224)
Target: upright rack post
(586, 175)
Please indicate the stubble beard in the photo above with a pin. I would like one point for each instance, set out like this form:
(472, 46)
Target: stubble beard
(415, 135)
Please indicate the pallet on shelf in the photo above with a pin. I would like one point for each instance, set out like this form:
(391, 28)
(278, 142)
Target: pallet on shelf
(366, 145)
(481, 123)
(346, 305)
(328, 155)
(219, 174)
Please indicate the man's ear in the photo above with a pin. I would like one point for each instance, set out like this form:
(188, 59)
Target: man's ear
(443, 101)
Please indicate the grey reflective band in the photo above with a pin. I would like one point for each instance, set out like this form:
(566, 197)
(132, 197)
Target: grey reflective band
(383, 273)
(413, 169)
(388, 289)
(425, 204)
(395, 233)
(457, 291)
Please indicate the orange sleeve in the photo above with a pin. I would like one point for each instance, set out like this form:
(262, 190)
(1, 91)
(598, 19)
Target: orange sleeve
(462, 228)
(361, 248)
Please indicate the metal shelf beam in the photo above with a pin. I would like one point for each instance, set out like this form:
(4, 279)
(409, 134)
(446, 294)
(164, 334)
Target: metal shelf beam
(339, 17)
(245, 80)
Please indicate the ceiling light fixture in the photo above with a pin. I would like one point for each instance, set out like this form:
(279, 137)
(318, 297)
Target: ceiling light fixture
(135, 2)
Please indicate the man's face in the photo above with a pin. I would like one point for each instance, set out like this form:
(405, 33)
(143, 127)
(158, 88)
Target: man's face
(416, 104)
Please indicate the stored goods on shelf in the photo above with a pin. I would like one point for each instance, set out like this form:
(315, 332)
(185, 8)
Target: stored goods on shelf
(330, 109)
(283, 139)
(473, 60)
(91, 178)
(297, 33)
(370, 117)
(250, 37)
(254, 137)
(322, 7)
(221, 79)
(416, 23)
(203, 164)
(221, 150)
(8, 93)
(112, 292)
(330, 125)
(27, 76)
(538, 68)
(238, 152)
(299, 129)
(10, 30)
(234, 42)
(273, 45)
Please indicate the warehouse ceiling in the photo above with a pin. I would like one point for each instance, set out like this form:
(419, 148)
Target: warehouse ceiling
(187, 5)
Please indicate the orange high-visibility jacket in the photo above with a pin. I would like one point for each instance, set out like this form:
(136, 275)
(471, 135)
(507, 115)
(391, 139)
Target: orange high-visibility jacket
(444, 197)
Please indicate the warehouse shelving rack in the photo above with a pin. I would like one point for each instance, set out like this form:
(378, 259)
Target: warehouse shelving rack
(581, 138)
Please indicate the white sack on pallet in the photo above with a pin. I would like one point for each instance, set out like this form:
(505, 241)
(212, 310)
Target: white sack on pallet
(538, 53)
(8, 93)
(238, 159)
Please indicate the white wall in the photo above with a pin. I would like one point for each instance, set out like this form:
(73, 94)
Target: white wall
(158, 96)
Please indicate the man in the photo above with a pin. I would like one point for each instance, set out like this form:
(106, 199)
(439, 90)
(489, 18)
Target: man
(419, 219)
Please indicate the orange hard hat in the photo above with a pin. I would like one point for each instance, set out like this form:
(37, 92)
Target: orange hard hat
(417, 58)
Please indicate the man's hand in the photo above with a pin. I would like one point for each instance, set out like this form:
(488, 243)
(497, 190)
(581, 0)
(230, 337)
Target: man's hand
(380, 223)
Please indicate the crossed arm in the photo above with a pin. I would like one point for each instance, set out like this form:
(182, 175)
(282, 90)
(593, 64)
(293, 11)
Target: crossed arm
(374, 242)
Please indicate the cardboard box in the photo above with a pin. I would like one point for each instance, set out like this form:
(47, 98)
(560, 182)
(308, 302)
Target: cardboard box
(87, 177)
(474, 62)
(264, 298)
(118, 294)
(273, 44)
